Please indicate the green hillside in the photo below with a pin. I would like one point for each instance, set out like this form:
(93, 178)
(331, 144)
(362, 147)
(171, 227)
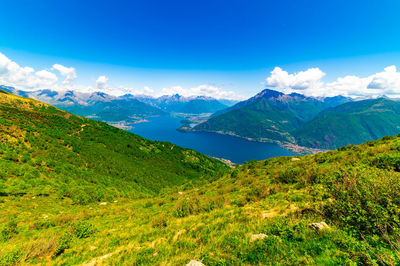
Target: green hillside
(350, 123)
(45, 150)
(269, 116)
(260, 120)
(260, 213)
(296, 121)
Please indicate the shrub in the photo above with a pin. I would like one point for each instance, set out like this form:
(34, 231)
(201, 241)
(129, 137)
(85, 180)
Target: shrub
(185, 207)
(83, 229)
(288, 176)
(11, 258)
(387, 161)
(63, 243)
(9, 230)
(366, 202)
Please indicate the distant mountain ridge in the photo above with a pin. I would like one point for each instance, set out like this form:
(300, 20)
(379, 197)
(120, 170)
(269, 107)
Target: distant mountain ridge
(125, 109)
(180, 104)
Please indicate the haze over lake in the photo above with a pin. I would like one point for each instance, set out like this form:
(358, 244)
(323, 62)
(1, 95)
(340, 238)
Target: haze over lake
(234, 149)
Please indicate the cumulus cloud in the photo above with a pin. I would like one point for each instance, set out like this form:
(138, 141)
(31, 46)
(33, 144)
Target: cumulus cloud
(26, 78)
(304, 80)
(202, 90)
(310, 82)
(145, 91)
(101, 83)
(14, 75)
(68, 72)
(47, 77)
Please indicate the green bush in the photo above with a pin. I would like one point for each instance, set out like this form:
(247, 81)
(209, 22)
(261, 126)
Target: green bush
(11, 258)
(9, 230)
(63, 243)
(83, 229)
(288, 175)
(388, 161)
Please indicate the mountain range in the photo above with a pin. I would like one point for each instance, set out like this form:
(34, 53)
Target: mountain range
(306, 124)
(78, 191)
(189, 105)
(294, 121)
(126, 109)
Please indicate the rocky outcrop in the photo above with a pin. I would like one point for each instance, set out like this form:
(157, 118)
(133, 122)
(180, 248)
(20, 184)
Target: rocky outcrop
(257, 236)
(195, 263)
(318, 227)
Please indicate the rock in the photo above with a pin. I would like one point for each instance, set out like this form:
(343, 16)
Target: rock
(257, 236)
(318, 227)
(295, 159)
(195, 263)
(103, 203)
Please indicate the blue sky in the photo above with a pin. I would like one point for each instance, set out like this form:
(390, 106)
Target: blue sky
(232, 45)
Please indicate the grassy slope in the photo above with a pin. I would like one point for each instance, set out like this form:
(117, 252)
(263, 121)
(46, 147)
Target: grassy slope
(356, 190)
(351, 123)
(45, 151)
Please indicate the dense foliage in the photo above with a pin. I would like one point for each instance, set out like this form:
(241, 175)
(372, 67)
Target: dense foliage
(350, 123)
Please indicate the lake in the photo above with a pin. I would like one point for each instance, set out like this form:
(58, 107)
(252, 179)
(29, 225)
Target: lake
(234, 149)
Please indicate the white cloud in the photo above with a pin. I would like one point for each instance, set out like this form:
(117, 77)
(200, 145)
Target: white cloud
(101, 83)
(382, 83)
(145, 91)
(202, 90)
(304, 80)
(68, 72)
(25, 77)
(47, 77)
(309, 82)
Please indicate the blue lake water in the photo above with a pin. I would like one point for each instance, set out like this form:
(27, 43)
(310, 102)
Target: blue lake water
(234, 149)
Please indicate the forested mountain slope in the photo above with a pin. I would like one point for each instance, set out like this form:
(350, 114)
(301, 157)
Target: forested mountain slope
(268, 116)
(306, 123)
(350, 123)
(45, 150)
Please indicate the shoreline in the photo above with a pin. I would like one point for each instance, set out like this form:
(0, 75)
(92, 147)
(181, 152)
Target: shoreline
(301, 150)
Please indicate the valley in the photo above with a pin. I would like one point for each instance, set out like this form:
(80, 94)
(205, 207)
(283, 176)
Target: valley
(78, 191)
(199, 133)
